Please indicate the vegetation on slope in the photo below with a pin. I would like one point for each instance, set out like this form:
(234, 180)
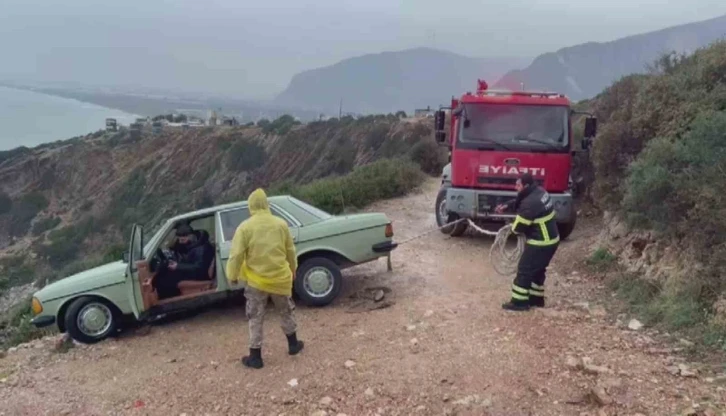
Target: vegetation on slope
(660, 160)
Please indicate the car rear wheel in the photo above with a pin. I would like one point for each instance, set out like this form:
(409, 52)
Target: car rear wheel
(90, 320)
(318, 281)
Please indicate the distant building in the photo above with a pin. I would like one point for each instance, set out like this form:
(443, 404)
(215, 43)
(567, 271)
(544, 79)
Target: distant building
(226, 121)
(111, 124)
(424, 112)
(212, 119)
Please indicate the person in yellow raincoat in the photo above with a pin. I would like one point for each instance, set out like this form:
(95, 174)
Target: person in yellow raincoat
(263, 256)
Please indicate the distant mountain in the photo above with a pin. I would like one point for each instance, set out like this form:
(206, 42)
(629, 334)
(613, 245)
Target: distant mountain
(391, 81)
(583, 71)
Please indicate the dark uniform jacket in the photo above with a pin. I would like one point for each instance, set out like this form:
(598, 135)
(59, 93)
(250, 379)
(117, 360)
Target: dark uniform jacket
(193, 259)
(535, 217)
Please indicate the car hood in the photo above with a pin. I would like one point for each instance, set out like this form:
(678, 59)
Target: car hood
(108, 274)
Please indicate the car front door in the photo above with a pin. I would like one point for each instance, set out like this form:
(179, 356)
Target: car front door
(135, 255)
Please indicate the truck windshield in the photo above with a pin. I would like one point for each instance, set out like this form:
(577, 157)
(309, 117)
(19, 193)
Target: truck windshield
(492, 126)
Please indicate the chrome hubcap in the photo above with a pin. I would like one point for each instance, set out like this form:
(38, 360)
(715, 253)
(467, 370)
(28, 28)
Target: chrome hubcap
(318, 282)
(94, 319)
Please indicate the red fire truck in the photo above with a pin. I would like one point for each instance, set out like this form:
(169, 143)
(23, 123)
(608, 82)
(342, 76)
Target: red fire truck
(495, 136)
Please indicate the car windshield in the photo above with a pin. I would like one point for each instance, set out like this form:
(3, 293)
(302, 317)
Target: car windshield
(315, 212)
(514, 126)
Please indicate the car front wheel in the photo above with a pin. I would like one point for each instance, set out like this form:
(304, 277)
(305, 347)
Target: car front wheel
(318, 281)
(90, 320)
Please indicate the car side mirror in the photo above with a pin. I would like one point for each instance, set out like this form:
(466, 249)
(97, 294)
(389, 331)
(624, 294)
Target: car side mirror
(590, 127)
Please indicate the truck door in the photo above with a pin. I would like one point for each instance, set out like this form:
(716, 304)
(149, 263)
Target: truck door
(135, 255)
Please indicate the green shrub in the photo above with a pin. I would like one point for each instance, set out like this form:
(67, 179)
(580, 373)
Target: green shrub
(45, 224)
(66, 243)
(430, 157)
(18, 328)
(601, 260)
(379, 180)
(245, 156)
(24, 211)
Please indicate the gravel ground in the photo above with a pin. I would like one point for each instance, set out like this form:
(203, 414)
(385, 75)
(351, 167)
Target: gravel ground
(444, 347)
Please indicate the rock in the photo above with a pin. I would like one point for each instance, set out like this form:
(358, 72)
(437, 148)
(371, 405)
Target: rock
(12, 350)
(326, 401)
(319, 413)
(687, 372)
(600, 396)
(413, 341)
(369, 392)
(3, 354)
(378, 295)
(590, 368)
(598, 311)
(349, 364)
(635, 325)
(585, 306)
(410, 327)
(429, 313)
(292, 383)
(421, 409)
(468, 400)
(171, 360)
(686, 342)
(572, 363)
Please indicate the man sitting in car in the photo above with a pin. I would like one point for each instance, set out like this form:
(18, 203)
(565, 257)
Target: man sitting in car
(192, 257)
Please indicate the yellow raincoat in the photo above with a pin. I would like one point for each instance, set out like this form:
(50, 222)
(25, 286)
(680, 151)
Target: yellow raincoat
(263, 252)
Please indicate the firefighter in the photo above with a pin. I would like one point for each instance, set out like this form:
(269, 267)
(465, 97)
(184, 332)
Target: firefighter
(535, 219)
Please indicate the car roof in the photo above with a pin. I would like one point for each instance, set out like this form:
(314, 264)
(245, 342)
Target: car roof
(224, 207)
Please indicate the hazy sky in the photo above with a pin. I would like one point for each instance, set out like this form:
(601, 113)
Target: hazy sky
(252, 48)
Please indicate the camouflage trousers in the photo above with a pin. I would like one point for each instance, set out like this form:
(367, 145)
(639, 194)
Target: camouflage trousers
(255, 309)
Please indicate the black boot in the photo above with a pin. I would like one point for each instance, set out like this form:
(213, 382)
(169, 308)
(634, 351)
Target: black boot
(537, 301)
(516, 306)
(254, 360)
(293, 345)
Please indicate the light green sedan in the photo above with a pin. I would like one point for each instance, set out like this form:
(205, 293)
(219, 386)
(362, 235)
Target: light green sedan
(91, 305)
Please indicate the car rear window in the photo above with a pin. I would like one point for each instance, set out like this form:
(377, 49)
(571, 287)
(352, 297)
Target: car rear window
(232, 219)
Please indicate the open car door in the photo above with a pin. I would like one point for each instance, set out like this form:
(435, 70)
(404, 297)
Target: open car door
(134, 256)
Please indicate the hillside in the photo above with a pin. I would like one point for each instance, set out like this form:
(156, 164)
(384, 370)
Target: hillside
(583, 71)
(65, 204)
(392, 81)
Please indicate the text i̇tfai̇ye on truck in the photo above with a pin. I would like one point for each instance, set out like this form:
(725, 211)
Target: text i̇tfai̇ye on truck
(494, 137)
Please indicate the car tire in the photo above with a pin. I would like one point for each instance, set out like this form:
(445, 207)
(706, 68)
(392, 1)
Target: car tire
(90, 320)
(318, 281)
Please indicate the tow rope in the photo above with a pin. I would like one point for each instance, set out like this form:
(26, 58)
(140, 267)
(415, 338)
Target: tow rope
(504, 261)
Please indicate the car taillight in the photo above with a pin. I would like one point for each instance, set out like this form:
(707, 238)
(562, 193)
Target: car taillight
(389, 230)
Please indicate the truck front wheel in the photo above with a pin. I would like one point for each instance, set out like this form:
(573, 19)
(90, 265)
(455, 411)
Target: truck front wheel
(443, 217)
(566, 228)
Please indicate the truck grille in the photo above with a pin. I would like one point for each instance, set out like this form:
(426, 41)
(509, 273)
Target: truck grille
(492, 180)
(487, 203)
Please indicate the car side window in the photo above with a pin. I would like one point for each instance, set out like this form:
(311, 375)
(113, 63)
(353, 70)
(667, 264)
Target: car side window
(231, 220)
(277, 213)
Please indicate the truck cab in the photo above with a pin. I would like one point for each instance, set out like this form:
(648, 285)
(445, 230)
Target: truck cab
(494, 137)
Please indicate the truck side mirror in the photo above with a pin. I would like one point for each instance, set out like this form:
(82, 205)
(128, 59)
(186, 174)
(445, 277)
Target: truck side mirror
(586, 143)
(439, 120)
(590, 127)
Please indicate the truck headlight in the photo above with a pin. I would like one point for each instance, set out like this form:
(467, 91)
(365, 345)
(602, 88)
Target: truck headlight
(36, 307)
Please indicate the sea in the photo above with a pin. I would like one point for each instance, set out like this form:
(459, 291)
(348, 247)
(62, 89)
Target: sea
(30, 118)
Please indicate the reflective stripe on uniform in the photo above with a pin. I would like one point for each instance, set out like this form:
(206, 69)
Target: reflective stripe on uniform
(537, 287)
(545, 218)
(539, 243)
(520, 220)
(519, 293)
(536, 292)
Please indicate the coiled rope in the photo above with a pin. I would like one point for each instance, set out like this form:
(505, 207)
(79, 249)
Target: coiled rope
(504, 261)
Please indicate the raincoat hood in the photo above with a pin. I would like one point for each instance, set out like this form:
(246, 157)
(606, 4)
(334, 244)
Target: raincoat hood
(258, 202)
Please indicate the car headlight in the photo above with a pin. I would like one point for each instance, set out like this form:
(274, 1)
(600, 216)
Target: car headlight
(36, 307)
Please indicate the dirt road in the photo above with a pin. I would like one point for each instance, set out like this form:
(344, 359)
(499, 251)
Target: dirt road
(445, 347)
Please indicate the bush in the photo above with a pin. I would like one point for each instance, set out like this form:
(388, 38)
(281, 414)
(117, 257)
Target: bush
(245, 156)
(66, 242)
(383, 179)
(24, 211)
(45, 224)
(602, 260)
(430, 157)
